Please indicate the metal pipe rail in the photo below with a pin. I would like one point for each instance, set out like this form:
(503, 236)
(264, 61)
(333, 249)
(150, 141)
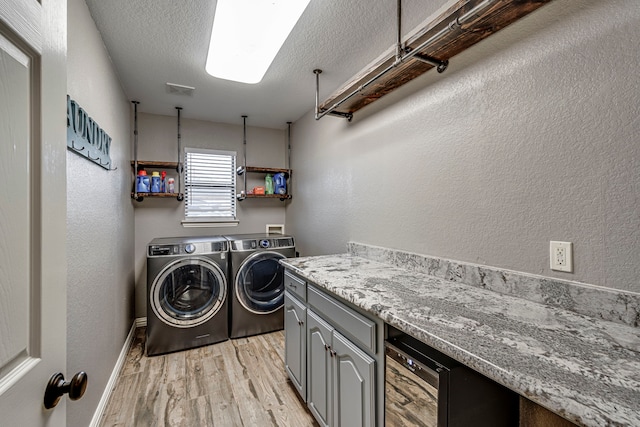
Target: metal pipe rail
(289, 157)
(242, 170)
(401, 56)
(180, 196)
(135, 150)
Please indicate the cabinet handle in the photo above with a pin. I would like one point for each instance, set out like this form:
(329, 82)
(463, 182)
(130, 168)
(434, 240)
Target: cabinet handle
(332, 353)
(326, 347)
(300, 322)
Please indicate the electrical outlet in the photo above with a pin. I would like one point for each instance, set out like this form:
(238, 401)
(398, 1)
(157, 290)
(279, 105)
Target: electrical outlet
(561, 255)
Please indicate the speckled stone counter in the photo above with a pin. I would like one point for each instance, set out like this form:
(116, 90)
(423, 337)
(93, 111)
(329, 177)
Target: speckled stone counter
(584, 368)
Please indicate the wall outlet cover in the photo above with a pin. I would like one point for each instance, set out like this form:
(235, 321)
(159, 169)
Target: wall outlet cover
(561, 256)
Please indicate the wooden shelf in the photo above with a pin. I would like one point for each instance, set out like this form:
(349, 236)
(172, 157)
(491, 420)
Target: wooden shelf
(256, 169)
(487, 22)
(155, 165)
(268, 196)
(142, 164)
(156, 194)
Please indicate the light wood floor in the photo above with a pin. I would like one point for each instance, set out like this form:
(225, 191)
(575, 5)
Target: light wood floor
(239, 382)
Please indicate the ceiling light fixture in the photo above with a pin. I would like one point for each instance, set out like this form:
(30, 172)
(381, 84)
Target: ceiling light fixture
(247, 35)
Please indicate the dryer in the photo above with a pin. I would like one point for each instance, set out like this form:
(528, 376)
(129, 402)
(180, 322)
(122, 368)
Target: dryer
(257, 282)
(187, 293)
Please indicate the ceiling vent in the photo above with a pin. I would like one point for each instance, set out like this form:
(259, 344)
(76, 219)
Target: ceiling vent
(180, 89)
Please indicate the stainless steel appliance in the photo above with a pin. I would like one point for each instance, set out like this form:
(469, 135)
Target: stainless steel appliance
(424, 387)
(186, 293)
(257, 290)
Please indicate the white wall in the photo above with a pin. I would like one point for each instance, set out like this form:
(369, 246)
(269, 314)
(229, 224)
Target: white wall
(99, 221)
(529, 136)
(158, 141)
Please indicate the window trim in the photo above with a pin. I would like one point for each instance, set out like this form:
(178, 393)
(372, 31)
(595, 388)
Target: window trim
(211, 221)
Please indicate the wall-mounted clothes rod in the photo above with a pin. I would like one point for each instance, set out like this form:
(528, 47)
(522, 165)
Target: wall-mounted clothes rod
(320, 114)
(403, 54)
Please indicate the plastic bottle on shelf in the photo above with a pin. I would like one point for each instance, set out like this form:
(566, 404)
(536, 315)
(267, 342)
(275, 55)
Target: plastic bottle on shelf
(171, 185)
(142, 182)
(155, 182)
(268, 184)
(163, 182)
(280, 182)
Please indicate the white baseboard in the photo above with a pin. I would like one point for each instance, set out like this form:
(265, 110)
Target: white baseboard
(97, 415)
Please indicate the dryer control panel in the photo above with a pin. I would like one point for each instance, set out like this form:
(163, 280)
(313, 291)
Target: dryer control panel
(160, 250)
(196, 248)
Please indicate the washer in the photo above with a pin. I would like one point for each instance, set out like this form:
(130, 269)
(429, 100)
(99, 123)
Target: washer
(187, 293)
(257, 282)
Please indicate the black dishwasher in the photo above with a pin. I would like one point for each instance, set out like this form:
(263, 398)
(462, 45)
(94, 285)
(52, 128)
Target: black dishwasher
(426, 388)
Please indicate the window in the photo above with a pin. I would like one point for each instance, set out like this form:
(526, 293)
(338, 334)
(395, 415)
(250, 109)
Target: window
(210, 186)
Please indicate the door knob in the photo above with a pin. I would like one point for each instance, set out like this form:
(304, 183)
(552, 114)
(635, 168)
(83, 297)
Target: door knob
(57, 386)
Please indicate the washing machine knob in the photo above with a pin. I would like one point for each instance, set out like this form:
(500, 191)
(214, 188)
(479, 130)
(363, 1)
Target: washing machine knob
(189, 248)
(264, 243)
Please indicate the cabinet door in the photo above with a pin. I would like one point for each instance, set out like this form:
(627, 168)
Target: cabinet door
(295, 354)
(353, 385)
(319, 368)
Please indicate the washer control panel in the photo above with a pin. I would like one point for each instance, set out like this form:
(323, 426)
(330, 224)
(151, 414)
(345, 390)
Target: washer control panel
(266, 243)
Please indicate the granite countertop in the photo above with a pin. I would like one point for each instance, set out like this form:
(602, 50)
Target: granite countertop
(582, 368)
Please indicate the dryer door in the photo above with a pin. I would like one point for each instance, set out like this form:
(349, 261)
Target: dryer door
(188, 292)
(259, 282)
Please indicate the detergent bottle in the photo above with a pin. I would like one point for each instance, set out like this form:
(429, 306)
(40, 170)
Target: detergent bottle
(268, 184)
(142, 182)
(155, 182)
(280, 183)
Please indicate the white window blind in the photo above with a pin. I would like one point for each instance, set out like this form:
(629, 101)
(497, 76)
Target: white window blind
(210, 185)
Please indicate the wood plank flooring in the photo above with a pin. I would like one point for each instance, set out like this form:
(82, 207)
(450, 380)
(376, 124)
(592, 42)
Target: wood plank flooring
(239, 382)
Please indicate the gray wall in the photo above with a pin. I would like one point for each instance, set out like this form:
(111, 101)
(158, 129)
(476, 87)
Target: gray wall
(157, 141)
(99, 221)
(530, 136)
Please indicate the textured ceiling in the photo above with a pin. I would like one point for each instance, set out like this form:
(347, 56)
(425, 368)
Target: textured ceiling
(155, 42)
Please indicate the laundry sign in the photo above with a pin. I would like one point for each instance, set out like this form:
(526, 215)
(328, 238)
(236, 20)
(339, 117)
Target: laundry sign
(85, 137)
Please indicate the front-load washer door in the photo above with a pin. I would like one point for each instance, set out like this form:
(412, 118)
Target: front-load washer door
(259, 283)
(188, 292)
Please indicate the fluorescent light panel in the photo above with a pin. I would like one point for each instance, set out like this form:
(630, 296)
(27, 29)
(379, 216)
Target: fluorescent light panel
(247, 35)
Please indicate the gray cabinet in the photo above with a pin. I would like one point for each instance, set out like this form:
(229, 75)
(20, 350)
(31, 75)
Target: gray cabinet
(357, 327)
(295, 285)
(340, 377)
(353, 384)
(295, 314)
(319, 368)
(333, 356)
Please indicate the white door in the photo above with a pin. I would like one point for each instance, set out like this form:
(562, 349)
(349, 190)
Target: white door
(32, 208)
